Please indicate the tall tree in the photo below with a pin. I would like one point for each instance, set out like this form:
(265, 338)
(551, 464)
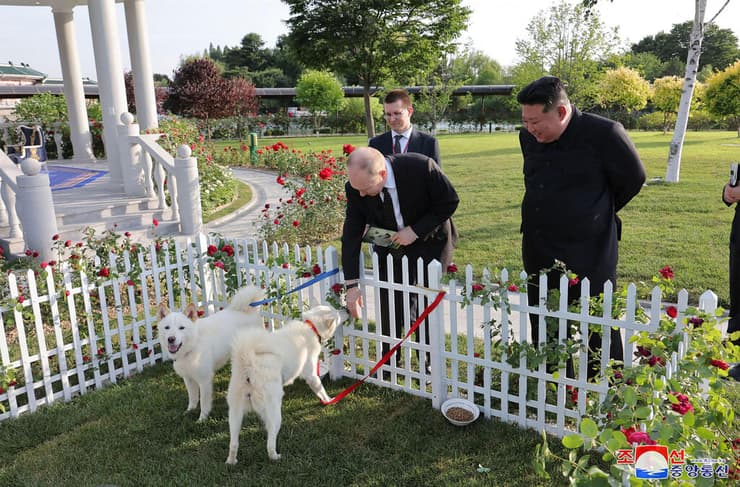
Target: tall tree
(371, 40)
(622, 91)
(566, 43)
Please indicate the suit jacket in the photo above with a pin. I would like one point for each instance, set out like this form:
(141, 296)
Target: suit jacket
(426, 197)
(574, 188)
(419, 142)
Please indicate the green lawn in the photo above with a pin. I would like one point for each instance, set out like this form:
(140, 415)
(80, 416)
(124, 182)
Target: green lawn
(683, 225)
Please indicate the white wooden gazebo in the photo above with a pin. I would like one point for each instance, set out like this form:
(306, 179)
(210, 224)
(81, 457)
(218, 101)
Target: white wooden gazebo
(109, 70)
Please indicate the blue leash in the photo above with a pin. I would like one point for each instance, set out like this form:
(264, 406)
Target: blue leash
(317, 278)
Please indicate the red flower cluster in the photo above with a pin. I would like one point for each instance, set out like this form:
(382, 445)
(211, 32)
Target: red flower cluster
(666, 272)
(639, 437)
(277, 146)
(720, 364)
(683, 406)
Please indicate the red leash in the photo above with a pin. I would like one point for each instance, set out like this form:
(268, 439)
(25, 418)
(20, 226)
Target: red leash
(390, 352)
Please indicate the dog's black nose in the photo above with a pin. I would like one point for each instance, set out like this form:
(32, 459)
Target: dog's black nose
(170, 339)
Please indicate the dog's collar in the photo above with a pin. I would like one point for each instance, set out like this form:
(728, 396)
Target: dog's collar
(313, 328)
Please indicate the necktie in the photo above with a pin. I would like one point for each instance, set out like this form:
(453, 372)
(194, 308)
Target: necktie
(397, 144)
(389, 216)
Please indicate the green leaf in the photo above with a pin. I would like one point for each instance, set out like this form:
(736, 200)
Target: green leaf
(572, 441)
(659, 385)
(595, 471)
(643, 412)
(630, 397)
(689, 419)
(705, 433)
(589, 428)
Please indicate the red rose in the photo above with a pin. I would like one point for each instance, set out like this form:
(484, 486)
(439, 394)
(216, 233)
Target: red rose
(671, 311)
(306, 274)
(228, 249)
(212, 249)
(513, 288)
(21, 299)
(219, 264)
(720, 364)
(104, 272)
(55, 236)
(452, 268)
(316, 269)
(127, 234)
(337, 288)
(666, 272)
(135, 346)
(201, 312)
(296, 223)
(477, 287)
(336, 351)
(155, 222)
(44, 264)
(66, 292)
(325, 173)
(347, 149)
(52, 262)
(280, 180)
(286, 265)
(130, 283)
(573, 281)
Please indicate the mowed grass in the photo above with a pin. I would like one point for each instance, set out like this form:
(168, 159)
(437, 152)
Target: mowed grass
(135, 434)
(684, 225)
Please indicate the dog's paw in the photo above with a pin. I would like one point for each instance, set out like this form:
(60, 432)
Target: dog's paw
(274, 456)
(202, 417)
(231, 461)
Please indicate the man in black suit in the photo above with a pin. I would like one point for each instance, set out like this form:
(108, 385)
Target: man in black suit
(579, 171)
(731, 195)
(422, 200)
(403, 137)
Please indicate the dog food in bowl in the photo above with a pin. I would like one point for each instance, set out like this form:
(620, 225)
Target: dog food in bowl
(460, 412)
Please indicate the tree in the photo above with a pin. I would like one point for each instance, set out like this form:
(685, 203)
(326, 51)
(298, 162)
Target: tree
(623, 90)
(692, 69)
(722, 94)
(44, 109)
(160, 94)
(719, 46)
(566, 43)
(666, 97)
(246, 103)
(198, 90)
(370, 40)
(321, 93)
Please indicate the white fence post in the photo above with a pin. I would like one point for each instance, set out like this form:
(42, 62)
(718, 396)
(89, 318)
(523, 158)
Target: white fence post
(35, 208)
(188, 191)
(437, 337)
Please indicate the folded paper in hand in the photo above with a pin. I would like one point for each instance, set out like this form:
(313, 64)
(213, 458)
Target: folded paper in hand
(380, 236)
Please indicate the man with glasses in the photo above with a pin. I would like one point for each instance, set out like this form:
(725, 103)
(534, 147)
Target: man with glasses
(402, 137)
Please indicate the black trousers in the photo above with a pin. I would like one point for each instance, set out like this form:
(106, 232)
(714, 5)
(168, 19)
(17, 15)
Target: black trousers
(734, 324)
(616, 351)
(428, 251)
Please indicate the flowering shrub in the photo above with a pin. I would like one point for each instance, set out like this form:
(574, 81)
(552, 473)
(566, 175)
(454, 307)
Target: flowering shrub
(217, 184)
(313, 208)
(686, 411)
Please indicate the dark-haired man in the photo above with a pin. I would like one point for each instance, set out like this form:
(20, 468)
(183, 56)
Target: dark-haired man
(580, 169)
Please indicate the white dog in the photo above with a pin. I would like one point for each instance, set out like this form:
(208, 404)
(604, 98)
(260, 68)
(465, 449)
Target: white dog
(262, 363)
(200, 347)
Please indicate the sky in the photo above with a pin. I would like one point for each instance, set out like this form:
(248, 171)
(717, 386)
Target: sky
(179, 28)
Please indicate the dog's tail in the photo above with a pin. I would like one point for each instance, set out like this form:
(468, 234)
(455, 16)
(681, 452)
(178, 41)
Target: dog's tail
(244, 297)
(255, 363)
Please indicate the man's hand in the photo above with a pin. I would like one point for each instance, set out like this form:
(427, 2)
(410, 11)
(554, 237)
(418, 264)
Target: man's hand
(354, 301)
(731, 194)
(405, 236)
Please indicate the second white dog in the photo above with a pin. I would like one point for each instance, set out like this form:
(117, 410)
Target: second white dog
(262, 363)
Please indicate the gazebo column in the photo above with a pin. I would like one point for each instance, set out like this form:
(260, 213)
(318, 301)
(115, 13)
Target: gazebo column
(74, 93)
(110, 79)
(141, 66)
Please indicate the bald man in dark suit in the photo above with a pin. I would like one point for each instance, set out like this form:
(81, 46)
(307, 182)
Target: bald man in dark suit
(423, 199)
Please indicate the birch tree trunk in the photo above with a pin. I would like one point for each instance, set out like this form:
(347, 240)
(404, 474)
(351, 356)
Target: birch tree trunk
(692, 68)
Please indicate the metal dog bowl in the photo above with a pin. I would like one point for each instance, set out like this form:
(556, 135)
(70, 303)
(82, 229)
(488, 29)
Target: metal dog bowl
(460, 412)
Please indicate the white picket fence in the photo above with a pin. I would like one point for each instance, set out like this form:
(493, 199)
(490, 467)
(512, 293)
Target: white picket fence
(92, 331)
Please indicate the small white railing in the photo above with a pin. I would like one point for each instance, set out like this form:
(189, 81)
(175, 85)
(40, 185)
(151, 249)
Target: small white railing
(85, 331)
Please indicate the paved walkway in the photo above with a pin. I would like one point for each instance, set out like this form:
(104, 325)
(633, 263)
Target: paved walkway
(242, 223)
